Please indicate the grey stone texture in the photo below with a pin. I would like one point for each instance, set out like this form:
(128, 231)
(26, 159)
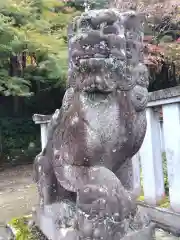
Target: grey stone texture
(84, 174)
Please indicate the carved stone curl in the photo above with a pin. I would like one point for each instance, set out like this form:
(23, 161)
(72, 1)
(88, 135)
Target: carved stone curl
(101, 125)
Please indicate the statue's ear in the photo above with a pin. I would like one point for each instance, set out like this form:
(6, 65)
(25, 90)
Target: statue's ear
(68, 98)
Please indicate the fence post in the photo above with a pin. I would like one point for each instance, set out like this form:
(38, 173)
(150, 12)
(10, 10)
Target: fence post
(136, 174)
(43, 120)
(44, 127)
(151, 160)
(171, 117)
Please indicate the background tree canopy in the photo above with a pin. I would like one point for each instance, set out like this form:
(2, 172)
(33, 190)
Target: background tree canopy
(162, 35)
(33, 45)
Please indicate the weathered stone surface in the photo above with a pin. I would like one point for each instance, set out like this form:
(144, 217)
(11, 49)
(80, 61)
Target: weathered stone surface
(101, 125)
(164, 94)
(166, 219)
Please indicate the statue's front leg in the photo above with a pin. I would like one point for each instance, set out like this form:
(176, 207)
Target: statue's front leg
(125, 174)
(102, 203)
(45, 179)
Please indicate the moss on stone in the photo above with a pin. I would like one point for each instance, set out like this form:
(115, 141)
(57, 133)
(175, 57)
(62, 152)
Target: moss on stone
(23, 231)
(20, 228)
(164, 203)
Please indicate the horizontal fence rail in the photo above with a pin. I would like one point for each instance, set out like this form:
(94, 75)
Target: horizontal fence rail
(160, 151)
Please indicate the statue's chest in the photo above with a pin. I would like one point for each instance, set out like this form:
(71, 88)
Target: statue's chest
(102, 124)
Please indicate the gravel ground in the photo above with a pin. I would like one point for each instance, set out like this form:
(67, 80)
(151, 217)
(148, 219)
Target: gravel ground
(18, 195)
(17, 192)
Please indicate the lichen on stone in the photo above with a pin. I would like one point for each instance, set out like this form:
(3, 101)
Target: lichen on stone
(22, 229)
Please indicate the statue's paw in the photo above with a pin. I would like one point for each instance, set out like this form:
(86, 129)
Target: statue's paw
(91, 199)
(94, 228)
(98, 202)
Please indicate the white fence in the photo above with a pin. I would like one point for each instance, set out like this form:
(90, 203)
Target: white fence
(159, 138)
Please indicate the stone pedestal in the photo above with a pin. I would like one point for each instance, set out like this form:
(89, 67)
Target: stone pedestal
(56, 220)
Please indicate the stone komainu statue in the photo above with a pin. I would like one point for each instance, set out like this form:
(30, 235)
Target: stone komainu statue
(99, 127)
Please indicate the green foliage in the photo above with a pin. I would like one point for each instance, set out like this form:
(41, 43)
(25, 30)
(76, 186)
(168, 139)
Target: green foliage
(165, 202)
(21, 228)
(166, 184)
(25, 231)
(19, 140)
(34, 27)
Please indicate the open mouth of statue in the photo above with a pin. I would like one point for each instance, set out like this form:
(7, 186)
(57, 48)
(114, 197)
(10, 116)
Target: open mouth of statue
(97, 90)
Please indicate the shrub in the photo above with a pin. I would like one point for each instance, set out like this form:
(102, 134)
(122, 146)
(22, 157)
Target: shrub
(19, 140)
